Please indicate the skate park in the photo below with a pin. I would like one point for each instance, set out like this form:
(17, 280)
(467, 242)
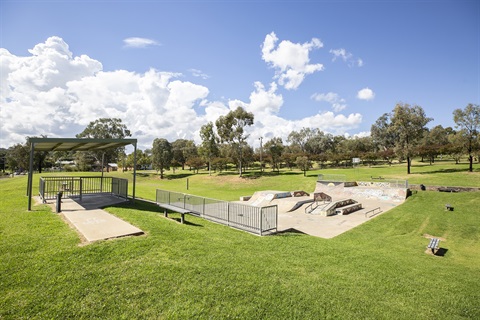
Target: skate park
(334, 207)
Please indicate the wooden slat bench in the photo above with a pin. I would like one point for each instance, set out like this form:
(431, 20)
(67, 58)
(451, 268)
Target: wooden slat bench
(434, 244)
(174, 209)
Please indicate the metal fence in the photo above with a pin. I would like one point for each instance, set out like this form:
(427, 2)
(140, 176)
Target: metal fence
(332, 177)
(78, 186)
(258, 220)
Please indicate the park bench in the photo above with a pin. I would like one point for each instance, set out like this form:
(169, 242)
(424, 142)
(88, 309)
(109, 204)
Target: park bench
(448, 207)
(434, 243)
(377, 178)
(174, 209)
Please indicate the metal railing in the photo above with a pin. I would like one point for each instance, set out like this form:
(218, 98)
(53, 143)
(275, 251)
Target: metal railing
(332, 177)
(78, 186)
(258, 220)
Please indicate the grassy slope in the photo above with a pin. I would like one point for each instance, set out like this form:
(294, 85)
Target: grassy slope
(205, 270)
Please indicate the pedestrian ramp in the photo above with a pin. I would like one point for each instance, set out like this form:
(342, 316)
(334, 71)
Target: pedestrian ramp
(93, 223)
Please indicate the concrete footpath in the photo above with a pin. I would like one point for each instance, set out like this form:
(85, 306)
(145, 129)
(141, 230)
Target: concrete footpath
(93, 223)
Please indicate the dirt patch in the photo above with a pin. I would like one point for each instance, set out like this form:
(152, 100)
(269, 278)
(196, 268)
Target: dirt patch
(429, 236)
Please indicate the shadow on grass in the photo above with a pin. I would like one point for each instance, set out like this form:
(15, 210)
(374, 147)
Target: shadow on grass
(150, 206)
(447, 170)
(178, 175)
(441, 252)
(290, 232)
(258, 174)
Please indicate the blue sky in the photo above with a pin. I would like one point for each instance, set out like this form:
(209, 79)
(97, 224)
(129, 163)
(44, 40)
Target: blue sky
(167, 67)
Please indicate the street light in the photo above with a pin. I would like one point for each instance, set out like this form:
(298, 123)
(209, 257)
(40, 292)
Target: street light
(261, 153)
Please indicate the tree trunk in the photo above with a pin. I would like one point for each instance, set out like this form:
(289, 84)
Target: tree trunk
(408, 165)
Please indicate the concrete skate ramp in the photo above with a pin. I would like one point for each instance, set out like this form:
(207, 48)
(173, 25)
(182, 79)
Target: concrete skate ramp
(363, 190)
(282, 199)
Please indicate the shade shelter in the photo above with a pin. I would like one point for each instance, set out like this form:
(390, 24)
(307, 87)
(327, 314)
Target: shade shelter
(75, 144)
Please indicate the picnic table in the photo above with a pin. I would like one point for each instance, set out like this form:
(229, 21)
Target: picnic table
(434, 244)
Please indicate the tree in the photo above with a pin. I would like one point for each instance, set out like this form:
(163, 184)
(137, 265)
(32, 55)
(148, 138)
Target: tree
(183, 150)
(209, 147)
(274, 148)
(383, 138)
(162, 155)
(456, 146)
(403, 128)
(196, 163)
(17, 157)
(106, 128)
(433, 143)
(231, 129)
(303, 164)
(468, 120)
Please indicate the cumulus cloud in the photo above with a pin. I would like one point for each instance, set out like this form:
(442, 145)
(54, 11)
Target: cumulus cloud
(136, 42)
(365, 94)
(54, 93)
(338, 103)
(346, 57)
(290, 60)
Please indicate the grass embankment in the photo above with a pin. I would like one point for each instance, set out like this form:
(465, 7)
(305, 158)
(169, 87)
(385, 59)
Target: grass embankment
(206, 270)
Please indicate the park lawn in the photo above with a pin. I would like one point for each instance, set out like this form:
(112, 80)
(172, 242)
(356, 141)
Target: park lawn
(228, 186)
(205, 270)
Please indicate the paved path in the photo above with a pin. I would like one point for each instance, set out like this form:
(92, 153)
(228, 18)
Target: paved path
(93, 223)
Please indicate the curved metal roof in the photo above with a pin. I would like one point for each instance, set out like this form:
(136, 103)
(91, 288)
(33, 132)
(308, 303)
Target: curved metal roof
(78, 144)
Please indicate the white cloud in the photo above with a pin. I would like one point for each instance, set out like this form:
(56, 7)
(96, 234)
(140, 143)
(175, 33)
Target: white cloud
(199, 74)
(290, 60)
(366, 94)
(54, 93)
(136, 42)
(346, 57)
(338, 103)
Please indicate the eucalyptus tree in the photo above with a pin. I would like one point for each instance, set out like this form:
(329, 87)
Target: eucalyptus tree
(209, 147)
(274, 149)
(183, 150)
(106, 128)
(304, 164)
(456, 145)
(403, 127)
(231, 130)
(434, 142)
(468, 120)
(17, 157)
(383, 138)
(162, 155)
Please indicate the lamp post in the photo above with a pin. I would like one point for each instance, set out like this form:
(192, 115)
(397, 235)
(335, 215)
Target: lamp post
(261, 154)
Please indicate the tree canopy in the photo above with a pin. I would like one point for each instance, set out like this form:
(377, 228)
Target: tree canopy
(468, 120)
(231, 129)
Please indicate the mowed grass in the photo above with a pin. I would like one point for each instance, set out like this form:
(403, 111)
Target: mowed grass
(378, 270)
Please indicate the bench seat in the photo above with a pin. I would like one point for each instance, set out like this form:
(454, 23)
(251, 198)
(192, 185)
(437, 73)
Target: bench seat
(182, 211)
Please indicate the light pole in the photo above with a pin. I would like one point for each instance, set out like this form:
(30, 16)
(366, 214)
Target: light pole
(261, 154)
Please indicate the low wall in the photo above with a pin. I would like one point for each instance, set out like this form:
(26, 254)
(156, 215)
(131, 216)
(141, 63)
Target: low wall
(444, 188)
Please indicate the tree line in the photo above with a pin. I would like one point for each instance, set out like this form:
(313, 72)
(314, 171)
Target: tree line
(398, 135)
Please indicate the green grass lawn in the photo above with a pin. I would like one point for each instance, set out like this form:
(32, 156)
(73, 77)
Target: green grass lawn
(378, 270)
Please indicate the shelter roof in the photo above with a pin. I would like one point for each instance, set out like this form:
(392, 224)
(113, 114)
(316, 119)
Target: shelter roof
(78, 144)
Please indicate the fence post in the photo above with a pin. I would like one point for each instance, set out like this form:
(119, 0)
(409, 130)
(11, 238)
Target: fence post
(81, 188)
(228, 213)
(261, 222)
